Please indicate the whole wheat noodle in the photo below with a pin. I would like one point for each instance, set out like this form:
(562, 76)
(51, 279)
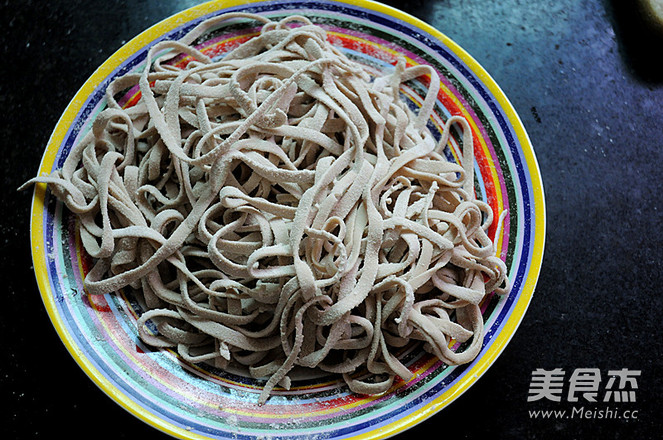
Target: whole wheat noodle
(282, 208)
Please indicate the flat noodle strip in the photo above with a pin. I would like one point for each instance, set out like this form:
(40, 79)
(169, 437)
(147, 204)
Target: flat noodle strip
(280, 208)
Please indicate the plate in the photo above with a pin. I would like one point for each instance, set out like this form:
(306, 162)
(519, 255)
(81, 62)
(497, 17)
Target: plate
(192, 401)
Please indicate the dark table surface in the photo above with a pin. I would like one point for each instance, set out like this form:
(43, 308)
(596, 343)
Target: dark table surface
(584, 77)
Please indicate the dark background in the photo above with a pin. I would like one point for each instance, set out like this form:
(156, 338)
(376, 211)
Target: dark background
(585, 78)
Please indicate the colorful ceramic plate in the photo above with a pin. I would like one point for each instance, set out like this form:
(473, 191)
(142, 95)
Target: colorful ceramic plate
(192, 401)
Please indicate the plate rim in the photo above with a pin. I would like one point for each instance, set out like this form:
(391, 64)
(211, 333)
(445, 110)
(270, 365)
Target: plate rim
(170, 23)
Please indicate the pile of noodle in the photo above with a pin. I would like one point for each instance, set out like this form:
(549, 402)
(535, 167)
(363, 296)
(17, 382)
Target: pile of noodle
(281, 208)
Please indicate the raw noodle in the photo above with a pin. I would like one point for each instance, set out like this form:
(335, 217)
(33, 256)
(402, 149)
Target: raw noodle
(282, 208)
